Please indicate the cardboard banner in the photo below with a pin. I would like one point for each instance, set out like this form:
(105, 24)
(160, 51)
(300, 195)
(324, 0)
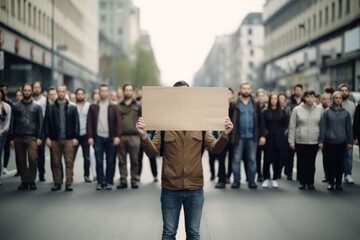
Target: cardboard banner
(184, 108)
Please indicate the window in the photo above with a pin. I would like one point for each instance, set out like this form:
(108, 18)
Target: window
(251, 52)
(251, 65)
(309, 26)
(333, 12)
(347, 9)
(326, 15)
(24, 11)
(249, 42)
(44, 23)
(3, 4)
(29, 14)
(120, 31)
(249, 31)
(320, 19)
(340, 8)
(314, 21)
(103, 18)
(102, 5)
(34, 22)
(39, 24)
(19, 9)
(13, 8)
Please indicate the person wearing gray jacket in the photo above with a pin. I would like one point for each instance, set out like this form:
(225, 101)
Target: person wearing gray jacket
(304, 130)
(335, 137)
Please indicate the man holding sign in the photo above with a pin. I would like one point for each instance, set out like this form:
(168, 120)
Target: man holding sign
(182, 173)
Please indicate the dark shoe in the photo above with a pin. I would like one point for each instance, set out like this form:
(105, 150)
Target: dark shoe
(330, 187)
(212, 178)
(56, 187)
(99, 186)
(69, 188)
(302, 187)
(289, 178)
(252, 185)
(235, 185)
(324, 179)
(17, 174)
(260, 179)
(220, 185)
(134, 185)
(156, 179)
(32, 186)
(42, 179)
(339, 187)
(122, 185)
(23, 186)
(311, 187)
(87, 179)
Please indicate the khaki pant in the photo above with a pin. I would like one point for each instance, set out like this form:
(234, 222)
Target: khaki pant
(131, 145)
(58, 149)
(23, 146)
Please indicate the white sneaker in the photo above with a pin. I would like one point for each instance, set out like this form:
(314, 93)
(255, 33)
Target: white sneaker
(265, 184)
(275, 184)
(5, 171)
(348, 179)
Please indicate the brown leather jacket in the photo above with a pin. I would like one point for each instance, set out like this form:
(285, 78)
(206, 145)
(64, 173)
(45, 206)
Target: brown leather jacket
(182, 163)
(114, 118)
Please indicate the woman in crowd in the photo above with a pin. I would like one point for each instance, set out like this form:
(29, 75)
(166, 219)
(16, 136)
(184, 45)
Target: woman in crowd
(5, 115)
(336, 137)
(304, 130)
(261, 98)
(275, 148)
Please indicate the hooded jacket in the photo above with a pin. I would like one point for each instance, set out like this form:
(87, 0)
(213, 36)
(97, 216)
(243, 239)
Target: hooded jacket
(335, 126)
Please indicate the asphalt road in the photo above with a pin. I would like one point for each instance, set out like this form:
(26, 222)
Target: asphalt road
(284, 213)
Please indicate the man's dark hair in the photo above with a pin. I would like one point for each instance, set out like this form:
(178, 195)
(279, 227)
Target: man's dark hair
(51, 88)
(231, 90)
(36, 82)
(181, 83)
(329, 89)
(80, 89)
(26, 84)
(343, 85)
(298, 86)
(103, 85)
(309, 93)
(128, 84)
(4, 85)
(2, 95)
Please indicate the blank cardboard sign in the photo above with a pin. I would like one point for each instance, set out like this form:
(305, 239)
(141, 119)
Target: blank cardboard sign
(184, 108)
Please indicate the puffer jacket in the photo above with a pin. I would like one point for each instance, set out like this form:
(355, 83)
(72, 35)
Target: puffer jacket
(304, 126)
(182, 163)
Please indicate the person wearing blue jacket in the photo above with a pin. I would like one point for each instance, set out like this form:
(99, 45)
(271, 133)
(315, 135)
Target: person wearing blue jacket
(336, 137)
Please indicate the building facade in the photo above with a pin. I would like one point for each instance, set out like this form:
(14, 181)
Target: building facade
(55, 42)
(235, 58)
(312, 42)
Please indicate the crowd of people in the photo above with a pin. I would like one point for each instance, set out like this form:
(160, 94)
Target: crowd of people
(269, 129)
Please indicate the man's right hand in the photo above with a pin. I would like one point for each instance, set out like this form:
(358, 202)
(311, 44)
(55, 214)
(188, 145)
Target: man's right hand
(140, 127)
(91, 141)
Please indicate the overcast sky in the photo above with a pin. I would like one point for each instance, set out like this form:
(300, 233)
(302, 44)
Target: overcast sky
(183, 31)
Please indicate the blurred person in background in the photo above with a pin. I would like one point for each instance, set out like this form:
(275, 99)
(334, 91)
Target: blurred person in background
(5, 117)
(336, 137)
(325, 103)
(261, 97)
(304, 130)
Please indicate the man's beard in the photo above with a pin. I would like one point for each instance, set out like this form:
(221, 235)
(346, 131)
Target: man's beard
(127, 97)
(80, 100)
(26, 97)
(36, 94)
(345, 97)
(245, 95)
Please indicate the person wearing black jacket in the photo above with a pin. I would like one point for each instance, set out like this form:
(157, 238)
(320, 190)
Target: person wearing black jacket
(62, 134)
(26, 134)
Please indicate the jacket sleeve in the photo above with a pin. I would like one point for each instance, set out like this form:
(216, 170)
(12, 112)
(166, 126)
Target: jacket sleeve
(118, 121)
(292, 126)
(89, 123)
(40, 122)
(323, 127)
(356, 130)
(349, 132)
(262, 130)
(152, 147)
(214, 145)
(76, 123)
(8, 117)
(46, 122)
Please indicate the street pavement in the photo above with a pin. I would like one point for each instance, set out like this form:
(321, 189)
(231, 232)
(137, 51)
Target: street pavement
(134, 214)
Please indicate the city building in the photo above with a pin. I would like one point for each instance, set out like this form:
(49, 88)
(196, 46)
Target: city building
(235, 58)
(55, 42)
(312, 42)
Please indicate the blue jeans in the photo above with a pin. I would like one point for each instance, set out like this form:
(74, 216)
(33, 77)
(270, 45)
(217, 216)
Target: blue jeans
(348, 162)
(104, 145)
(246, 150)
(2, 143)
(171, 203)
(83, 142)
